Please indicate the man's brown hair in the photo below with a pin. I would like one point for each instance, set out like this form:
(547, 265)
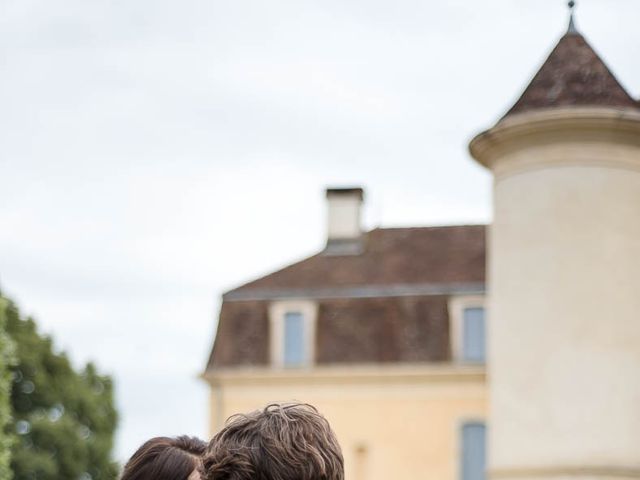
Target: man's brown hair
(281, 442)
(164, 458)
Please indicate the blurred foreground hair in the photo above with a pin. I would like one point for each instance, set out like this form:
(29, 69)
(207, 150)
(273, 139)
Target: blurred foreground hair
(281, 442)
(164, 458)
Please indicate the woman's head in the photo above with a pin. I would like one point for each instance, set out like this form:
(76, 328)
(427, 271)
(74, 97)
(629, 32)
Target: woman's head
(164, 458)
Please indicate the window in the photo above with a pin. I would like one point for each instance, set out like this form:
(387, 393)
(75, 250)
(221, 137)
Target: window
(474, 453)
(294, 344)
(292, 333)
(467, 317)
(473, 334)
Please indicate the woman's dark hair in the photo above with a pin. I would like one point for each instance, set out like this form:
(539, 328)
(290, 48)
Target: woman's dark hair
(164, 458)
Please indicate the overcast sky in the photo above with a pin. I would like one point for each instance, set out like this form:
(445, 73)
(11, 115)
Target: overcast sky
(156, 153)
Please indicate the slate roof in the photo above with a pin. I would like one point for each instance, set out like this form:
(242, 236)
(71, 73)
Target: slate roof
(573, 75)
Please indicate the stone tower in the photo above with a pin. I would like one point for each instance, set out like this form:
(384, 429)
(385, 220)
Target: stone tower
(564, 274)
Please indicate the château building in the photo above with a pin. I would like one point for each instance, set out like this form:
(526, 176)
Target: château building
(385, 331)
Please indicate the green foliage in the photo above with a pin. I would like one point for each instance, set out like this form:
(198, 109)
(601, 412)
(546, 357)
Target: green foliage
(64, 420)
(6, 360)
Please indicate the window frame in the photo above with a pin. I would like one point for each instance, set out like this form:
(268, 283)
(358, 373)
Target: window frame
(462, 423)
(457, 306)
(277, 312)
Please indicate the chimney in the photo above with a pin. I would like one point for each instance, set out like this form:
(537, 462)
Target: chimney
(344, 233)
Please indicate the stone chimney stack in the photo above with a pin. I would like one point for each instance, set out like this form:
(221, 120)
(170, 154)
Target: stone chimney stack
(344, 230)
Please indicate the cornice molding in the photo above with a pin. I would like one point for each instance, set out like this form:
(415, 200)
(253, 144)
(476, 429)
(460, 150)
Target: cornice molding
(361, 291)
(600, 472)
(364, 374)
(579, 125)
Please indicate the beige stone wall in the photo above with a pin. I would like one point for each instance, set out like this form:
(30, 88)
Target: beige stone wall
(392, 422)
(564, 282)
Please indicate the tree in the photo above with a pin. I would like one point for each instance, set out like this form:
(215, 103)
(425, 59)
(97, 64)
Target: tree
(64, 420)
(6, 360)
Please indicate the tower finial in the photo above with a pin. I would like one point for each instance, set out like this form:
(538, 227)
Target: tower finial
(572, 24)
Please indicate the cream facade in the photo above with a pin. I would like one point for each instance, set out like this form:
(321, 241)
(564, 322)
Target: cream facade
(400, 422)
(564, 272)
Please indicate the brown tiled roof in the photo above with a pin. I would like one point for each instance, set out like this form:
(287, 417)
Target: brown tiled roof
(381, 330)
(392, 256)
(573, 75)
(242, 338)
(348, 331)
(368, 308)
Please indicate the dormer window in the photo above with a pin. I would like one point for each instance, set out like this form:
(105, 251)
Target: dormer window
(292, 333)
(467, 317)
(473, 334)
(294, 347)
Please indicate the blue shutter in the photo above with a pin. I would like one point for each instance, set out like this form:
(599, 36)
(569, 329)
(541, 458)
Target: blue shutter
(294, 345)
(473, 339)
(474, 452)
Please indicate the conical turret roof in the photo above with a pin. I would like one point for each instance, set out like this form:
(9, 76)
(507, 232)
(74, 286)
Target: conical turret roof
(573, 75)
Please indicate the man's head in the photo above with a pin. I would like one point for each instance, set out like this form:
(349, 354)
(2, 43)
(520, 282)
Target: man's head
(281, 442)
